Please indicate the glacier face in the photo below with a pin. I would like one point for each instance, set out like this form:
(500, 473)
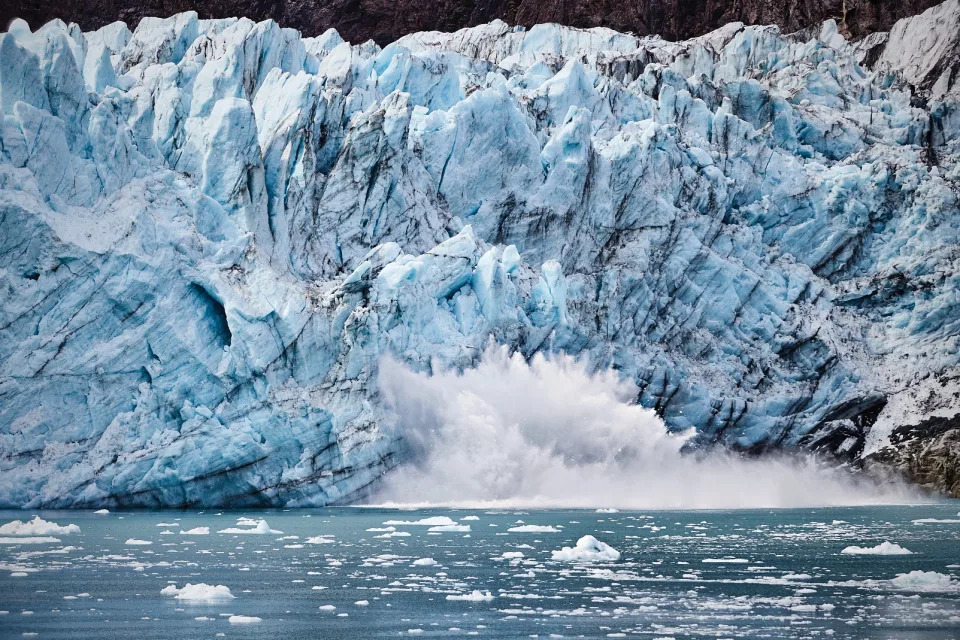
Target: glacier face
(213, 231)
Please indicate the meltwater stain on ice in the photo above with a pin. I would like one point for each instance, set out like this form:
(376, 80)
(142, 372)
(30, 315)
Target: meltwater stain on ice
(550, 433)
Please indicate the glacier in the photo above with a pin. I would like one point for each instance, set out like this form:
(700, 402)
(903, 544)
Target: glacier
(212, 232)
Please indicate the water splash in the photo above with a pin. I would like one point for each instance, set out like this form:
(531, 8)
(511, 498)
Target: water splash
(549, 433)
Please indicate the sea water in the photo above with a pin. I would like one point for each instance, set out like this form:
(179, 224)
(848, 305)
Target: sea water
(373, 573)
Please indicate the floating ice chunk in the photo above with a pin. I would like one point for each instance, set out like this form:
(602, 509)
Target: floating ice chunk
(198, 592)
(925, 581)
(588, 549)
(435, 521)
(464, 518)
(196, 531)
(608, 510)
(379, 529)
(261, 527)
(424, 562)
(725, 560)
(882, 549)
(935, 521)
(327, 607)
(321, 539)
(533, 528)
(474, 596)
(244, 619)
(463, 528)
(137, 542)
(37, 527)
(362, 603)
(394, 534)
(32, 540)
(101, 512)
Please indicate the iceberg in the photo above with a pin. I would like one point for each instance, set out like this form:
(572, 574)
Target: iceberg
(213, 232)
(587, 549)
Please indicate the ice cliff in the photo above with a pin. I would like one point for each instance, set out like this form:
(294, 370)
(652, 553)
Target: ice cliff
(211, 232)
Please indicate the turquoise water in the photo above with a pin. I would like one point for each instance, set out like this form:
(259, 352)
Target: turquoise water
(781, 575)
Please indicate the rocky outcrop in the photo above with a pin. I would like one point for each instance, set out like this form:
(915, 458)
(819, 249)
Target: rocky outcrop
(386, 20)
(926, 454)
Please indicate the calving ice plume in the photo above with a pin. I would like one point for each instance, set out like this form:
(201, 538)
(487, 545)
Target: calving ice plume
(215, 232)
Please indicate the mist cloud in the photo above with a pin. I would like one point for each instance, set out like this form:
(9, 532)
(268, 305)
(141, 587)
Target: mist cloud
(548, 433)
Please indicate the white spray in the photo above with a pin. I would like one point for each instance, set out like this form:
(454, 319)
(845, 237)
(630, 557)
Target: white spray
(550, 434)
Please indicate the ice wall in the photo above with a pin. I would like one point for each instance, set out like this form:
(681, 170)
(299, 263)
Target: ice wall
(213, 231)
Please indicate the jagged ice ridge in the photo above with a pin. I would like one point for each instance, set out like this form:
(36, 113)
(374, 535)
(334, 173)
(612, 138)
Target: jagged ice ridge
(213, 230)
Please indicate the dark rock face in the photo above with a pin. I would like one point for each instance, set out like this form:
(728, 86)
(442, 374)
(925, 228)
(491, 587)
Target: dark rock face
(927, 454)
(387, 20)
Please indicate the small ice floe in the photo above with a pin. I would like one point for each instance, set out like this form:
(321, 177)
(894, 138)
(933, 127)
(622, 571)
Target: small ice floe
(725, 560)
(461, 528)
(381, 529)
(259, 527)
(883, 549)
(327, 607)
(435, 521)
(935, 521)
(30, 540)
(198, 592)
(101, 512)
(533, 528)
(465, 518)
(424, 562)
(244, 619)
(474, 596)
(37, 527)
(925, 581)
(588, 549)
(394, 534)
(362, 603)
(321, 539)
(196, 531)
(136, 542)
(608, 510)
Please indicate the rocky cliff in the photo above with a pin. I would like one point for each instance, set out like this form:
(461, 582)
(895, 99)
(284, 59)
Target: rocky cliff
(386, 20)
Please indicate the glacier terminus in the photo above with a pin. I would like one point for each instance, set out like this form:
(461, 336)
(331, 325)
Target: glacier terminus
(213, 232)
